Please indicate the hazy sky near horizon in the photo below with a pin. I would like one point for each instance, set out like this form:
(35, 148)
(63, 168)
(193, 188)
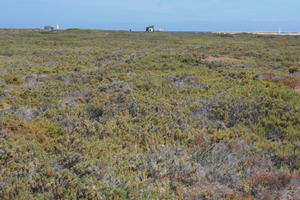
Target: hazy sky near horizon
(171, 15)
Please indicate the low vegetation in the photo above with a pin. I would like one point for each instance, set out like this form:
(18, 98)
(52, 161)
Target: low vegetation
(90, 114)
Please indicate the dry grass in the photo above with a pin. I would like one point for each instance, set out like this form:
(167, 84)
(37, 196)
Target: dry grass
(41, 131)
(225, 59)
(292, 82)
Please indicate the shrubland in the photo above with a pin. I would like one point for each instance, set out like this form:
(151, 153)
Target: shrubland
(88, 114)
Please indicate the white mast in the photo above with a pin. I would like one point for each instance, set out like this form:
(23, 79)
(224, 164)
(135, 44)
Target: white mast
(279, 30)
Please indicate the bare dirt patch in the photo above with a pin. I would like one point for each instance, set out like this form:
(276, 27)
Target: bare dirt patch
(290, 81)
(225, 59)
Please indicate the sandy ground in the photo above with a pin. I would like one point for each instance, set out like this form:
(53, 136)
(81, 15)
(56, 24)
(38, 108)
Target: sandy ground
(261, 33)
(297, 90)
(225, 59)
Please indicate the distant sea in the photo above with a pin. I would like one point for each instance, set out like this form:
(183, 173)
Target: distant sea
(189, 31)
(230, 32)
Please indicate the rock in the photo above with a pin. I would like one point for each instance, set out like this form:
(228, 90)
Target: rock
(214, 64)
(267, 77)
(133, 109)
(276, 67)
(296, 74)
(75, 98)
(26, 114)
(3, 71)
(44, 77)
(94, 112)
(31, 79)
(2, 133)
(2, 95)
(187, 80)
(239, 66)
(297, 90)
(274, 133)
(63, 78)
(292, 191)
(235, 75)
(34, 78)
(116, 87)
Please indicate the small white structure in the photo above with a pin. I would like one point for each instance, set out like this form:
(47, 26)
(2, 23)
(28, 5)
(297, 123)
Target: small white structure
(159, 30)
(57, 27)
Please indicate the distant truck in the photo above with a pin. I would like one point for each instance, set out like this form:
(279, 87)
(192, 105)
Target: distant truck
(150, 29)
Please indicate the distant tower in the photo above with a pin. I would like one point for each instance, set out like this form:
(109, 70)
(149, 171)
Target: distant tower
(279, 30)
(57, 27)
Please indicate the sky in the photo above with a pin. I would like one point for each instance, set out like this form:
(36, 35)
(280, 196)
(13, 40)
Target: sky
(170, 15)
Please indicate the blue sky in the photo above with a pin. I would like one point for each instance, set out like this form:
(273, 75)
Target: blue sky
(171, 15)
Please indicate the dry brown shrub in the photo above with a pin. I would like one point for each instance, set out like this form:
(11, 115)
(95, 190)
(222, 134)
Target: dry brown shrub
(268, 180)
(292, 82)
(201, 139)
(42, 132)
(47, 78)
(210, 191)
